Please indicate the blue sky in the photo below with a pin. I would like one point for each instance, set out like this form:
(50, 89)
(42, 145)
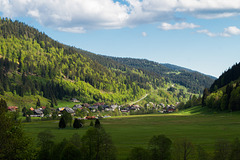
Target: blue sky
(202, 35)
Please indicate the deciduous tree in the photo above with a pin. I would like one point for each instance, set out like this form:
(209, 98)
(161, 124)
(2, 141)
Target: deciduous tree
(159, 147)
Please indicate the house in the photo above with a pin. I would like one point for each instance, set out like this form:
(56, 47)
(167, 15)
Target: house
(125, 111)
(93, 108)
(106, 107)
(90, 117)
(60, 109)
(170, 110)
(77, 106)
(163, 111)
(12, 108)
(162, 105)
(75, 100)
(38, 112)
(69, 110)
(113, 107)
(99, 104)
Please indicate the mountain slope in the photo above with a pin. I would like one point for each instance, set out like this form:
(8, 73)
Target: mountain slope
(194, 81)
(178, 68)
(231, 74)
(32, 63)
(225, 91)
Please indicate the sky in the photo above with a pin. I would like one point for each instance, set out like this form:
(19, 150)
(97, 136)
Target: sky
(201, 35)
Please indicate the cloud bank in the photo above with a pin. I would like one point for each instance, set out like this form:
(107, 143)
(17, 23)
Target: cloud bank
(80, 15)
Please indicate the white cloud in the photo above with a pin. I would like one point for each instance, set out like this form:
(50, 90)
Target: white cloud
(207, 32)
(228, 32)
(177, 26)
(144, 34)
(69, 15)
(81, 15)
(73, 29)
(233, 30)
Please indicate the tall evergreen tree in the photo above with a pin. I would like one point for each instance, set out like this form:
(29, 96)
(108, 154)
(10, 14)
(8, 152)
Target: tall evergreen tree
(38, 104)
(205, 94)
(62, 123)
(97, 123)
(76, 124)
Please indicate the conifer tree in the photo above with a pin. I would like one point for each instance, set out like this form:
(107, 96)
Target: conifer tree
(3, 106)
(91, 123)
(38, 103)
(97, 123)
(62, 123)
(76, 124)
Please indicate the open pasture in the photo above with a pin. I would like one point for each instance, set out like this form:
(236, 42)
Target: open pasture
(132, 131)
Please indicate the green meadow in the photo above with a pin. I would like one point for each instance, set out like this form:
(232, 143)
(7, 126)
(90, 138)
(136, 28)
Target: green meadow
(201, 126)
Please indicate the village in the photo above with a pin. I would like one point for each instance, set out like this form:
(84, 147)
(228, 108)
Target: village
(96, 110)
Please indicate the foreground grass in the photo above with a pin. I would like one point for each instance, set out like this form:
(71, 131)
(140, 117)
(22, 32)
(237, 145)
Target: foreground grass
(201, 126)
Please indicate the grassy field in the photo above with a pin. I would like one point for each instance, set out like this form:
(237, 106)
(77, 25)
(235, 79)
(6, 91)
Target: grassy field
(201, 126)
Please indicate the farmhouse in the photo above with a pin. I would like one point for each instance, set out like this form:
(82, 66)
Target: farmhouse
(38, 112)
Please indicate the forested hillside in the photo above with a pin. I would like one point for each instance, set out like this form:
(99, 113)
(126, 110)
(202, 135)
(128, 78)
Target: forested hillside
(224, 94)
(32, 63)
(194, 81)
(231, 74)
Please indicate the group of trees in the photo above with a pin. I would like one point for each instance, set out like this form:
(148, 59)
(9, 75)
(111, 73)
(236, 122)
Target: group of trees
(193, 101)
(162, 148)
(14, 144)
(228, 76)
(227, 98)
(224, 94)
(96, 144)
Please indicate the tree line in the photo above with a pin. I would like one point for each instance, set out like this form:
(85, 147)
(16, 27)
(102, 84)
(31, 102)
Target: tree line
(161, 147)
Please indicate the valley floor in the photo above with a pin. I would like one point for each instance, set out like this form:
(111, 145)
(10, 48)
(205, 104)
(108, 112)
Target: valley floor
(198, 125)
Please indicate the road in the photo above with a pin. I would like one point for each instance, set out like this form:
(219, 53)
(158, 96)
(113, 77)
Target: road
(138, 100)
